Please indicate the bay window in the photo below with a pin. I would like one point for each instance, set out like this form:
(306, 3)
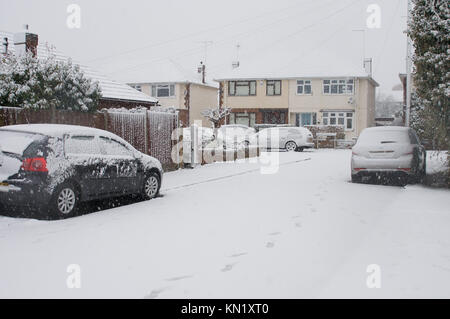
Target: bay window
(338, 118)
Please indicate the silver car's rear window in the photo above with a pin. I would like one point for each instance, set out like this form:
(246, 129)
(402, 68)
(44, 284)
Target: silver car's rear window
(384, 137)
(16, 142)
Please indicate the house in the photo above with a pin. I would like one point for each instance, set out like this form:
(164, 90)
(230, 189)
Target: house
(114, 94)
(300, 97)
(176, 87)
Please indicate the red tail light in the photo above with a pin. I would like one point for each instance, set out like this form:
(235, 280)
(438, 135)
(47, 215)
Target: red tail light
(37, 164)
(359, 169)
(404, 169)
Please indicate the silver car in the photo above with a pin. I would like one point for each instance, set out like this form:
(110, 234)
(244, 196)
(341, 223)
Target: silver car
(289, 138)
(388, 151)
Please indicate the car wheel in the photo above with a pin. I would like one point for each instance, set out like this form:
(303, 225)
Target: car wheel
(151, 186)
(291, 146)
(356, 179)
(300, 149)
(64, 201)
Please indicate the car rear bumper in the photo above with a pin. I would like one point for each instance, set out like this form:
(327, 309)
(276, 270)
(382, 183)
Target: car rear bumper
(23, 193)
(362, 165)
(308, 145)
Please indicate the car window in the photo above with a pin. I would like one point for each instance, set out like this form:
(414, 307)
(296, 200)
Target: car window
(384, 137)
(413, 137)
(82, 145)
(16, 142)
(113, 147)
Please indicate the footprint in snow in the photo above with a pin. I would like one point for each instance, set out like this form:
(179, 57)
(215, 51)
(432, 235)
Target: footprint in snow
(179, 278)
(228, 267)
(238, 255)
(270, 245)
(275, 234)
(155, 293)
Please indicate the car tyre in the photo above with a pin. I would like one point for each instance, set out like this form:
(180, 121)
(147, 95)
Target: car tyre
(300, 149)
(291, 146)
(152, 185)
(64, 202)
(356, 179)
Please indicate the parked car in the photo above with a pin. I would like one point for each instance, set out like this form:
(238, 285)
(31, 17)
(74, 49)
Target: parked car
(388, 151)
(57, 166)
(289, 138)
(234, 135)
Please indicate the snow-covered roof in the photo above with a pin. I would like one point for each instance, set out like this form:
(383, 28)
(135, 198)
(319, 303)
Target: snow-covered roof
(167, 71)
(290, 65)
(110, 89)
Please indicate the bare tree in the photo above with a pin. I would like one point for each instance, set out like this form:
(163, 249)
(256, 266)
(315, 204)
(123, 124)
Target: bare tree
(216, 115)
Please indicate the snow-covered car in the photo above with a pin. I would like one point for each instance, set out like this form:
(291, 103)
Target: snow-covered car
(388, 151)
(289, 138)
(234, 135)
(54, 167)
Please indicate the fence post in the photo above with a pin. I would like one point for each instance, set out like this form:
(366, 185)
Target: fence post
(145, 133)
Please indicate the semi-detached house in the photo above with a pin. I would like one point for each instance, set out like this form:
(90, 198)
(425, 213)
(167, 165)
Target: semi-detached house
(307, 99)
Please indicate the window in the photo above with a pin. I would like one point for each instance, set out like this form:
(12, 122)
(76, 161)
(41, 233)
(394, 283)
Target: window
(137, 87)
(163, 90)
(82, 145)
(112, 147)
(304, 87)
(273, 88)
(247, 119)
(338, 86)
(241, 88)
(338, 118)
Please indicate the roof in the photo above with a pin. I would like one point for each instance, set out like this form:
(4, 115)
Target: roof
(166, 71)
(56, 130)
(289, 65)
(110, 89)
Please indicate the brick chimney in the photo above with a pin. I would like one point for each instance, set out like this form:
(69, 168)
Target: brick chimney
(26, 42)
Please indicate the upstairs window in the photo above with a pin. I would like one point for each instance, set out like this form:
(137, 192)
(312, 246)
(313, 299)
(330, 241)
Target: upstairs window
(304, 87)
(163, 90)
(273, 88)
(242, 88)
(338, 86)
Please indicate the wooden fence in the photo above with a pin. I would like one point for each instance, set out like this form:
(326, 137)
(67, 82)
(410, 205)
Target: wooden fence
(149, 132)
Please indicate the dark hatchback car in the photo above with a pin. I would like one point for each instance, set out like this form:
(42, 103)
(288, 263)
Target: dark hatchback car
(54, 167)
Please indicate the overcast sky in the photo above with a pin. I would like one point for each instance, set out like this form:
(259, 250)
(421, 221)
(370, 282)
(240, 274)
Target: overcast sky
(123, 39)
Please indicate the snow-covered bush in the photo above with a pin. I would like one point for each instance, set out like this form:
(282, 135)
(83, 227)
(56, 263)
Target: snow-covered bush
(45, 83)
(430, 31)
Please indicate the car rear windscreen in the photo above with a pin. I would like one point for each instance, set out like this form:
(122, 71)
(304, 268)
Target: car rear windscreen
(384, 137)
(16, 142)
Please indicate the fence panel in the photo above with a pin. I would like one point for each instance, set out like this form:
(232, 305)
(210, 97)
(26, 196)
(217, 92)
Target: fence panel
(161, 126)
(132, 127)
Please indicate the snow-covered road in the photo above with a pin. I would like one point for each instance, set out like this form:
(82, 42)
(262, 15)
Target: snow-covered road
(228, 231)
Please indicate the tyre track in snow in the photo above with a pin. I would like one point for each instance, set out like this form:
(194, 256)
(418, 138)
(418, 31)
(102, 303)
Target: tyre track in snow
(215, 179)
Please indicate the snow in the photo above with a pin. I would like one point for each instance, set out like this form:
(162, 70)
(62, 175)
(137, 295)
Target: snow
(227, 231)
(165, 71)
(437, 162)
